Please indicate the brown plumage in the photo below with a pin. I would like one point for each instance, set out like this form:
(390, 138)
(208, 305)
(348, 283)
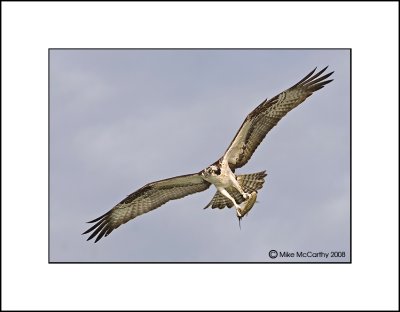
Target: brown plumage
(147, 198)
(265, 116)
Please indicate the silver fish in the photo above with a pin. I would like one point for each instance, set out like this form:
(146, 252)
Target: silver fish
(248, 204)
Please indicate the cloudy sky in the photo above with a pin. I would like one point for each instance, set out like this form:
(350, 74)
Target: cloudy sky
(122, 118)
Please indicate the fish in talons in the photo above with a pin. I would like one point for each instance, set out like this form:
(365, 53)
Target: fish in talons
(247, 205)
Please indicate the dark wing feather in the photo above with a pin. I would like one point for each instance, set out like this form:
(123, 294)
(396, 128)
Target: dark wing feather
(149, 197)
(264, 117)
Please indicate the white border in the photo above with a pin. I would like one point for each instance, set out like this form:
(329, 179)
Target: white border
(29, 29)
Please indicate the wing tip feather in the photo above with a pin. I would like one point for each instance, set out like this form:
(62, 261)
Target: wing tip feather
(316, 81)
(102, 225)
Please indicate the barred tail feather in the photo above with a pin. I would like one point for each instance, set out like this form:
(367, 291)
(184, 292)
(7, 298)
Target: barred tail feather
(252, 182)
(249, 183)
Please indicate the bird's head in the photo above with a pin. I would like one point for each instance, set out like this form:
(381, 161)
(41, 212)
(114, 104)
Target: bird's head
(212, 170)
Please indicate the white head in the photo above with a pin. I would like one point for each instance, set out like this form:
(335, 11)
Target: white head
(212, 170)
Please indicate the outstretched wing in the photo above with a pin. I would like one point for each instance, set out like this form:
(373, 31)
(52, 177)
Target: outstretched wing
(149, 197)
(262, 119)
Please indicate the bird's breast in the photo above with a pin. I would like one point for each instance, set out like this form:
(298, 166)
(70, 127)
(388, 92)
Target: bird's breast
(223, 180)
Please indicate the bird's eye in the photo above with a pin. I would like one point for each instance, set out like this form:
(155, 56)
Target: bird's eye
(218, 171)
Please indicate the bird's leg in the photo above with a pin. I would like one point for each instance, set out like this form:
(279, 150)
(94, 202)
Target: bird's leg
(239, 188)
(227, 195)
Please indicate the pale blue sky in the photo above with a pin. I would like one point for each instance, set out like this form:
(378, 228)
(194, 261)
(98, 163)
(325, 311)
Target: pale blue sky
(122, 118)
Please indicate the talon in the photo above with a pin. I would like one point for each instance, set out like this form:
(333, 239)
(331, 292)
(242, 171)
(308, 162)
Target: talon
(246, 195)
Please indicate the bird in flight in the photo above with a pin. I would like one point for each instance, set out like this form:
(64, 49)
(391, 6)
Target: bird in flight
(239, 191)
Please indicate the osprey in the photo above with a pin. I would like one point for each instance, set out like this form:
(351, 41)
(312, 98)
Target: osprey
(239, 191)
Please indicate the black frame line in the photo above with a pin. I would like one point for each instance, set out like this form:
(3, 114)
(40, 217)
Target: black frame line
(193, 262)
